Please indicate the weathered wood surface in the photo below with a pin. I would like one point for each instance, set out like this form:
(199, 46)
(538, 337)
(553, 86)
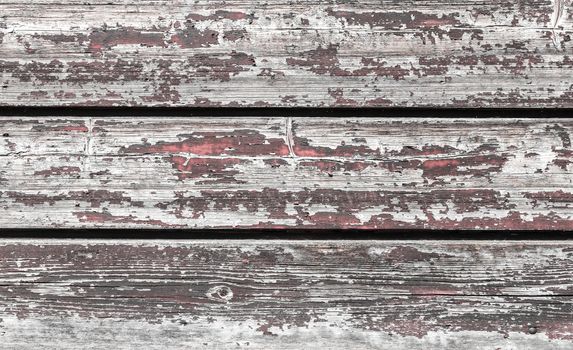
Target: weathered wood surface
(70, 294)
(286, 172)
(286, 53)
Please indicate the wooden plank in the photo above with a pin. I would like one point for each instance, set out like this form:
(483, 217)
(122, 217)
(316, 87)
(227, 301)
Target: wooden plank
(286, 53)
(70, 294)
(361, 173)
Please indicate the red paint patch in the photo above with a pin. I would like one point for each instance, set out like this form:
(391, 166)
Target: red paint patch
(332, 220)
(473, 165)
(219, 68)
(194, 38)
(235, 35)
(94, 197)
(324, 61)
(339, 99)
(564, 158)
(57, 171)
(74, 128)
(59, 125)
(396, 20)
(235, 143)
(62, 38)
(345, 205)
(565, 199)
(302, 148)
(125, 36)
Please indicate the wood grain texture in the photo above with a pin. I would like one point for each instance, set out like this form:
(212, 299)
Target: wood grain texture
(286, 173)
(69, 294)
(286, 53)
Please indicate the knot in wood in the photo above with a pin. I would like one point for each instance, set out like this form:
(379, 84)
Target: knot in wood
(220, 293)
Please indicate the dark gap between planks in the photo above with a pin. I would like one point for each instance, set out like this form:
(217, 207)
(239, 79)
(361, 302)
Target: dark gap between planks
(286, 112)
(286, 234)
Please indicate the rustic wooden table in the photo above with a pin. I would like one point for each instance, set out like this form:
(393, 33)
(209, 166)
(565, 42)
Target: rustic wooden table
(284, 175)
